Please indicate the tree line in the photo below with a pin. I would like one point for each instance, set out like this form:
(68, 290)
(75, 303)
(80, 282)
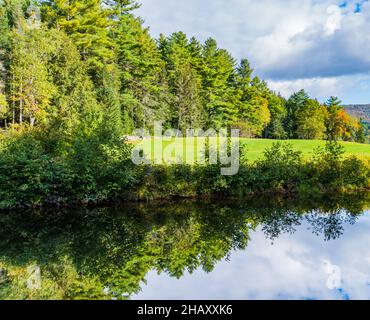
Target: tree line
(75, 66)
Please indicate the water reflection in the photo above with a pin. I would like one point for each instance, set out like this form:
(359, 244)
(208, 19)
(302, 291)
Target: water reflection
(250, 249)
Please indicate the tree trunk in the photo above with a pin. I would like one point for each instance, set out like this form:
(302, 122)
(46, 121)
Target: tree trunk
(21, 105)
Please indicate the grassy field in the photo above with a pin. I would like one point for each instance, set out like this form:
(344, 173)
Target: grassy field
(255, 148)
(307, 147)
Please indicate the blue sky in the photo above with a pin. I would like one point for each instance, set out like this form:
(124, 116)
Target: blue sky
(322, 46)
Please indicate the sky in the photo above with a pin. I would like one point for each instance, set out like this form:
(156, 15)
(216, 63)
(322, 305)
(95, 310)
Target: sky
(322, 46)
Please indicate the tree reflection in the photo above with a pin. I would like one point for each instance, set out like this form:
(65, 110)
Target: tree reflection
(106, 253)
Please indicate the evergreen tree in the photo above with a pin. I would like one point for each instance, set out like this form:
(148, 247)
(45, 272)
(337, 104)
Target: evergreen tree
(4, 31)
(142, 78)
(360, 134)
(295, 104)
(334, 121)
(87, 23)
(254, 114)
(111, 130)
(75, 112)
(219, 86)
(276, 104)
(121, 7)
(12, 17)
(183, 81)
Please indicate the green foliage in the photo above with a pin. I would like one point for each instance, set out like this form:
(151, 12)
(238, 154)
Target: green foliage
(294, 104)
(72, 83)
(184, 82)
(87, 23)
(281, 169)
(218, 82)
(92, 171)
(3, 105)
(28, 176)
(333, 172)
(91, 61)
(278, 112)
(260, 110)
(360, 133)
(142, 80)
(31, 89)
(311, 121)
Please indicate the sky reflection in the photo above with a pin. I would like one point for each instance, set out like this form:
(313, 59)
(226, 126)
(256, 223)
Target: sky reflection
(293, 266)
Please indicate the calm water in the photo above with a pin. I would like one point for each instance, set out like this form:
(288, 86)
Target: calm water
(250, 249)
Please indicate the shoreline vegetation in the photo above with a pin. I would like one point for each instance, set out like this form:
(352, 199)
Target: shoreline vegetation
(72, 86)
(31, 178)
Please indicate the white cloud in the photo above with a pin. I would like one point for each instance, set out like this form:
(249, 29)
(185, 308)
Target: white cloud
(293, 268)
(316, 87)
(334, 20)
(285, 40)
(352, 86)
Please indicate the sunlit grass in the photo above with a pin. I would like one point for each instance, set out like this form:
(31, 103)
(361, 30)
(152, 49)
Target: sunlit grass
(190, 147)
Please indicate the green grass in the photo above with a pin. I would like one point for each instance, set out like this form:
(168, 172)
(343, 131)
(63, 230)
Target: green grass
(255, 148)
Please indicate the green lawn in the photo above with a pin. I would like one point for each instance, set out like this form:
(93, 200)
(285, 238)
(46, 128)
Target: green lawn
(254, 147)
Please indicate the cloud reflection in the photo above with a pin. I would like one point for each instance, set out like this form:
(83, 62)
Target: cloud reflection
(290, 267)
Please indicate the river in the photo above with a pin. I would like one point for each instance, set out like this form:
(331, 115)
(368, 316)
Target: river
(256, 248)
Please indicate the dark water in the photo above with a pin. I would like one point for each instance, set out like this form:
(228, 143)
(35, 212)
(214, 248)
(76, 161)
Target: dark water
(266, 248)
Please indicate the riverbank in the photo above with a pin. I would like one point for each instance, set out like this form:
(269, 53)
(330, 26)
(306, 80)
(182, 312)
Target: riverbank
(95, 178)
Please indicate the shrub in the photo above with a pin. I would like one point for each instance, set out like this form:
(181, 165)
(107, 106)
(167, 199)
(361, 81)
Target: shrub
(32, 173)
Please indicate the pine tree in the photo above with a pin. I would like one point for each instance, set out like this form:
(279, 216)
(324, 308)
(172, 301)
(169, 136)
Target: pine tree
(111, 130)
(4, 31)
(295, 103)
(142, 76)
(121, 7)
(75, 111)
(87, 23)
(360, 134)
(276, 130)
(253, 114)
(218, 84)
(333, 120)
(184, 82)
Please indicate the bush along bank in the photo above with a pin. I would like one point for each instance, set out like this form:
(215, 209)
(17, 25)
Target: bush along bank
(91, 172)
(281, 171)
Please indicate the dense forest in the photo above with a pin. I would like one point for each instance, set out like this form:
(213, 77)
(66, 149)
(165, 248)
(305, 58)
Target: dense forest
(69, 66)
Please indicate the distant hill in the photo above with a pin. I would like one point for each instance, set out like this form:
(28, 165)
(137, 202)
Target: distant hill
(361, 111)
